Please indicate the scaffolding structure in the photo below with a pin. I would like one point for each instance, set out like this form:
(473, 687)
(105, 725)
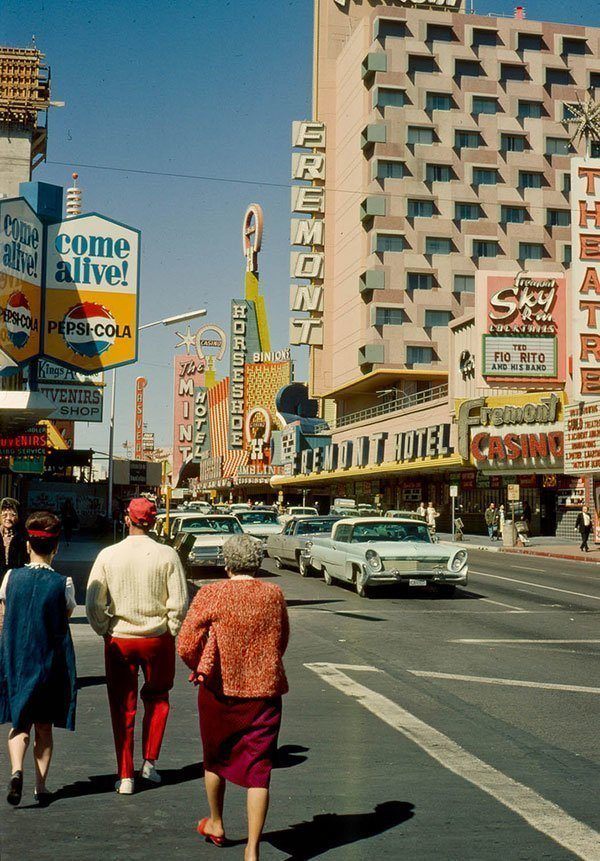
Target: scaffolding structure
(25, 96)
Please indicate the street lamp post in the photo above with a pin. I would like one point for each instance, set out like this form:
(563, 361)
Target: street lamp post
(167, 321)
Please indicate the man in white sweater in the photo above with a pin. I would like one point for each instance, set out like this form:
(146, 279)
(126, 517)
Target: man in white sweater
(136, 599)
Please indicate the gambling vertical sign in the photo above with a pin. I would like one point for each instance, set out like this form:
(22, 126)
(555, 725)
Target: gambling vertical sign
(91, 295)
(21, 253)
(585, 274)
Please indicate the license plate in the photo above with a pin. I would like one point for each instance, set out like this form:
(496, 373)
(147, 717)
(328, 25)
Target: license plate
(412, 582)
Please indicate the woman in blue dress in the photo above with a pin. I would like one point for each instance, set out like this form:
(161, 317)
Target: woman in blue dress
(37, 659)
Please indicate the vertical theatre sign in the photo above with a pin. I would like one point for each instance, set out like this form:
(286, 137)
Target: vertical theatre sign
(140, 385)
(21, 251)
(91, 295)
(585, 274)
(307, 235)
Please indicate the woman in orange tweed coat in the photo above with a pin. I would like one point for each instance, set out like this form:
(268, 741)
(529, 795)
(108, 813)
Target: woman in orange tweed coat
(233, 639)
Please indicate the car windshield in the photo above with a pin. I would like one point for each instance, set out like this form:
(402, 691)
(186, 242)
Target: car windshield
(257, 517)
(314, 527)
(391, 532)
(302, 510)
(206, 525)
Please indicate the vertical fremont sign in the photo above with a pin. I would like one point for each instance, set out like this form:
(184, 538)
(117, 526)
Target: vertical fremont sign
(585, 275)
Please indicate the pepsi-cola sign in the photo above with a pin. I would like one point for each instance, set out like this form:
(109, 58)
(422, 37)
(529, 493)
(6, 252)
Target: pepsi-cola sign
(91, 299)
(21, 250)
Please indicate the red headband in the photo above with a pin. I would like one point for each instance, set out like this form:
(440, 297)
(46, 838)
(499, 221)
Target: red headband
(40, 533)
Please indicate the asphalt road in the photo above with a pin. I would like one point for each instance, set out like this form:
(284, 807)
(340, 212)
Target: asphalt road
(417, 727)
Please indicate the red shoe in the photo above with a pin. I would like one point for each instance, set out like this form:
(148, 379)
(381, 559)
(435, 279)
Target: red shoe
(210, 838)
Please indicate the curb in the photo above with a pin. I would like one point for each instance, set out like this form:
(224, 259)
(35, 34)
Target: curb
(540, 553)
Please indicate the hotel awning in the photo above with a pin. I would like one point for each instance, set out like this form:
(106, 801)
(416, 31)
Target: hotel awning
(21, 410)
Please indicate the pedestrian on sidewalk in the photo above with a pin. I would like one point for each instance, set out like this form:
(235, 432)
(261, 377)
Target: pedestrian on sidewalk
(583, 524)
(431, 516)
(136, 599)
(37, 660)
(233, 639)
(421, 510)
(491, 520)
(14, 538)
(70, 520)
(501, 521)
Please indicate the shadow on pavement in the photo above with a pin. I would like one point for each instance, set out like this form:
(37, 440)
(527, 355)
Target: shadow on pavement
(306, 840)
(100, 784)
(290, 755)
(308, 602)
(90, 681)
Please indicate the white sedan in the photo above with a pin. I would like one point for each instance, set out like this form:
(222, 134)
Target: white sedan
(259, 524)
(199, 542)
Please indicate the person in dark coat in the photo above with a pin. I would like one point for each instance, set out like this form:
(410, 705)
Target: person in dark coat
(70, 520)
(13, 552)
(37, 659)
(583, 524)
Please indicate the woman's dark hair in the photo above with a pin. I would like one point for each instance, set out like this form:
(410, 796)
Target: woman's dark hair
(43, 532)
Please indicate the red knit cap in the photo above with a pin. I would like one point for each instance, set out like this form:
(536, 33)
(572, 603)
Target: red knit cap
(142, 511)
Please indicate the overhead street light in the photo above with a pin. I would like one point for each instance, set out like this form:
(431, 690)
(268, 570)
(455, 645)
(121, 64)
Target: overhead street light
(167, 321)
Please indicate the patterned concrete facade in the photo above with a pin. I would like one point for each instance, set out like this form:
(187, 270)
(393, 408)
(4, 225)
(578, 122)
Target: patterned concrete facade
(446, 154)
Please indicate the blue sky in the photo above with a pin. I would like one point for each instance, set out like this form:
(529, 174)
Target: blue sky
(196, 87)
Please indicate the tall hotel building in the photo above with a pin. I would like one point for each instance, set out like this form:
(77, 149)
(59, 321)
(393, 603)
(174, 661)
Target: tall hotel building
(446, 153)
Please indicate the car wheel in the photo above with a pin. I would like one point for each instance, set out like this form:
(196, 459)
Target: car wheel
(304, 568)
(362, 589)
(446, 590)
(278, 562)
(327, 576)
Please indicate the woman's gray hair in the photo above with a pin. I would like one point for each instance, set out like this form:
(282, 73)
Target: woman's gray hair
(243, 554)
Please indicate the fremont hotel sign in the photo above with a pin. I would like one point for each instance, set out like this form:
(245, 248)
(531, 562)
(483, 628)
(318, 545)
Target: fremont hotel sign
(307, 265)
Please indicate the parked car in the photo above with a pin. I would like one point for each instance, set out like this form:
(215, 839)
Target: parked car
(286, 547)
(200, 540)
(410, 515)
(368, 511)
(176, 524)
(344, 511)
(234, 507)
(369, 552)
(259, 522)
(298, 511)
(200, 505)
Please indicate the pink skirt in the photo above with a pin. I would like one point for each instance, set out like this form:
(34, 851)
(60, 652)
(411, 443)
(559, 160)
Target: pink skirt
(239, 736)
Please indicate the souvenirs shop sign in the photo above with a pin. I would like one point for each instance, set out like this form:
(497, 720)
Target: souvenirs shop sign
(582, 437)
(30, 443)
(376, 449)
(500, 434)
(524, 318)
(585, 275)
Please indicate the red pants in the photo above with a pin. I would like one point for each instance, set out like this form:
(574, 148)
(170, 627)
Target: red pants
(155, 656)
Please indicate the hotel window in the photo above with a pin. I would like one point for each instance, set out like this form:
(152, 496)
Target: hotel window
(420, 209)
(467, 140)
(485, 248)
(389, 316)
(595, 149)
(386, 29)
(531, 251)
(595, 80)
(440, 33)
(418, 63)
(438, 173)
(418, 135)
(438, 102)
(388, 169)
(464, 283)
(574, 46)
(558, 146)
(529, 110)
(485, 39)
(558, 218)
(468, 69)
(419, 355)
(513, 215)
(419, 281)
(390, 98)
(568, 108)
(513, 143)
(530, 42)
(438, 245)
(437, 318)
(485, 176)
(558, 77)
(467, 211)
(567, 255)
(389, 242)
(484, 105)
(567, 183)
(530, 179)
(513, 72)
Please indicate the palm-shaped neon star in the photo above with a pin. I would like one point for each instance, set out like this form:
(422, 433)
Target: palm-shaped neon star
(586, 115)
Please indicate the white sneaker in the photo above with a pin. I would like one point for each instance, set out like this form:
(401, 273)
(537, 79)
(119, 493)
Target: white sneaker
(125, 786)
(150, 773)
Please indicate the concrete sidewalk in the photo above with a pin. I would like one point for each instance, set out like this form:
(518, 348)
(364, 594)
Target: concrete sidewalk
(539, 545)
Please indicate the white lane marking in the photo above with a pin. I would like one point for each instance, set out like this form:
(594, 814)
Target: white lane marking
(501, 604)
(528, 568)
(554, 642)
(511, 683)
(543, 815)
(537, 585)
